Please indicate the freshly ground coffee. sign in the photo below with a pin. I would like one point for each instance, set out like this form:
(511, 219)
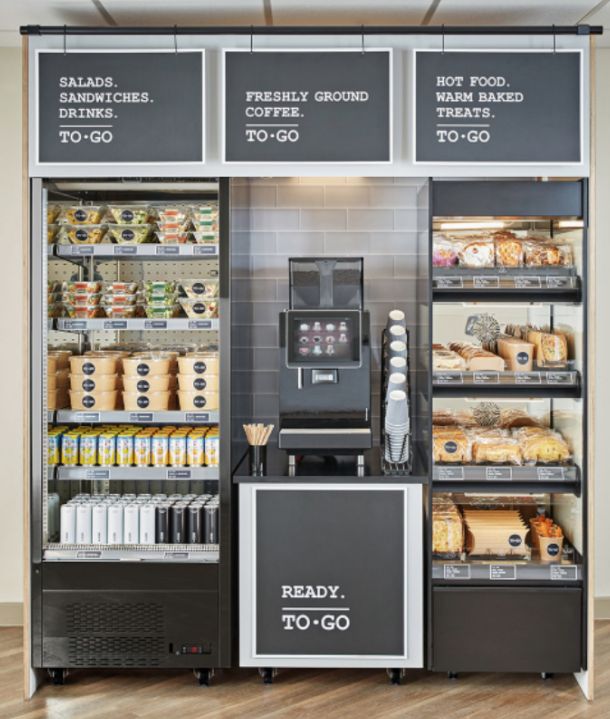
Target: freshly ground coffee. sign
(318, 106)
(498, 107)
(120, 107)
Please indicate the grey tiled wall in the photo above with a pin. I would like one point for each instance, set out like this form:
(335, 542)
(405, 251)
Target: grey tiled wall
(273, 219)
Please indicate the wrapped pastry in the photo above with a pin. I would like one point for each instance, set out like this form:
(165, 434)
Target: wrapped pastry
(549, 448)
(450, 444)
(523, 433)
(443, 418)
(496, 532)
(447, 530)
(477, 254)
(444, 253)
(445, 359)
(477, 358)
(516, 418)
(509, 251)
(490, 450)
(540, 253)
(519, 354)
(551, 348)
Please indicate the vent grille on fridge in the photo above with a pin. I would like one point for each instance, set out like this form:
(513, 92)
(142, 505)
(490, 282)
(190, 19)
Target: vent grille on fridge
(126, 651)
(109, 618)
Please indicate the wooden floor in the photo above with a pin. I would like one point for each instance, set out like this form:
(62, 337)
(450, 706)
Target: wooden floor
(327, 694)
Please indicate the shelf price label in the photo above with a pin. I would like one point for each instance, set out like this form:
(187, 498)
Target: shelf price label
(484, 282)
(503, 572)
(74, 324)
(449, 283)
(550, 474)
(178, 474)
(528, 378)
(557, 281)
(197, 417)
(200, 324)
(81, 250)
(205, 250)
(456, 571)
(87, 417)
(155, 324)
(563, 572)
(448, 378)
(523, 282)
(125, 250)
(500, 474)
(450, 473)
(97, 474)
(140, 416)
(115, 324)
(486, 377)
(559, 378)
(168, 250)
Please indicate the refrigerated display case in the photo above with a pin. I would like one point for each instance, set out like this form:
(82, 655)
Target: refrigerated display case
(508, 520)
(130, 448)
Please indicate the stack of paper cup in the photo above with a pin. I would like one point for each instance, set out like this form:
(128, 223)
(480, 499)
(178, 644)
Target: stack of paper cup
(396, 317)
(397, 427)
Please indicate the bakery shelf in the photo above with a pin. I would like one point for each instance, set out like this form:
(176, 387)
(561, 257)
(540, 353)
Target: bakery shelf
(172, 553)
(505, 571)
(135, 325)
(496, 472)
(539, 383)
(76, 253)
(137, 473)
(64, 416)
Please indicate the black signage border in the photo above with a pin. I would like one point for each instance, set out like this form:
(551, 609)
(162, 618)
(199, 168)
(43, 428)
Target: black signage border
(223, 99)
(118, 50)
(412, 114)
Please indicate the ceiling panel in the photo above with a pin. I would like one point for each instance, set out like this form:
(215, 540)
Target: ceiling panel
(511, 12)
(186, 12)
(349, 12)
(14, 13)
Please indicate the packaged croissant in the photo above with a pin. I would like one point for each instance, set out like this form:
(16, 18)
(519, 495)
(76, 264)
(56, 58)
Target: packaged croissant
(496, 450)
(477, 254)
(451, 445)
(551, 348)
(444, 251)
(544, 253)
(549, 448)
(508, 251)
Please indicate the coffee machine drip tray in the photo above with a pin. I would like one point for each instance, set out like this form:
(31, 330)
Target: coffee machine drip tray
(318, 440)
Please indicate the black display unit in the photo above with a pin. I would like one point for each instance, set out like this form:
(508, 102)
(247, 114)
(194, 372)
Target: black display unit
(510, 613)
(129, 605)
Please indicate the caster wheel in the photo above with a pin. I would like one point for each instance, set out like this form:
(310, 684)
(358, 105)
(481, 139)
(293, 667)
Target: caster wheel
(58, 676)
(452, 675)
(395, 676)
(267, 674)
(204, 676)
(547, 675)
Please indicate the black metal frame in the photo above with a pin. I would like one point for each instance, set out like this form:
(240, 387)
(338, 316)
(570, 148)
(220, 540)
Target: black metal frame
(317, 30)
(579, 489)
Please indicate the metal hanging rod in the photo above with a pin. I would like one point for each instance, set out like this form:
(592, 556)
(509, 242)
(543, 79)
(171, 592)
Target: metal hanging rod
(318, 30)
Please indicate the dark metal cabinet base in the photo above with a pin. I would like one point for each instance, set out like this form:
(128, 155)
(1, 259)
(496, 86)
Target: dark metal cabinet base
(136, 615)
(506, 629)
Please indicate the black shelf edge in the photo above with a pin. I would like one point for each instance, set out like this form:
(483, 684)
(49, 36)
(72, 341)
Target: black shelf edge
(505, 572)
(508, 487)
(512, 390)
(571, 295)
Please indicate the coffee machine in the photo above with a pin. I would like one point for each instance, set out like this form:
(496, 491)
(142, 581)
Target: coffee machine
(325, 360)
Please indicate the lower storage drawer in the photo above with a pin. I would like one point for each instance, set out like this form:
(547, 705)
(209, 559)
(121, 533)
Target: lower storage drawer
(506, 629)
(113, 615)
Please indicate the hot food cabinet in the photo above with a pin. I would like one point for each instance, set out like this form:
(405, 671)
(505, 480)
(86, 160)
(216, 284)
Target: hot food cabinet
(130, 452)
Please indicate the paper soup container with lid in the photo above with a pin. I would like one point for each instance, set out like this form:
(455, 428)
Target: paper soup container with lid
(194, 400)
(98, 401)
(145, 366)
(144, 385)
(92, 364)
(199, 363)
(198, 382)
(91, 383)
(153, 401)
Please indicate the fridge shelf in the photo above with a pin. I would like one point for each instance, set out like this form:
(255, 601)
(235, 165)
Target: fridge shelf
(136, 473)
(66, 416)
(134, 325)
(505, 571)
(539, 383)
(171, 553)
(76, 253)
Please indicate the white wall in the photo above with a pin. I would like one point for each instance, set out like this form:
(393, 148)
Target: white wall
(602, 379)
(11, 371)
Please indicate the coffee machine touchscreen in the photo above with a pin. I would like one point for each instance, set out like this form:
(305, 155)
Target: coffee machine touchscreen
(334, 338)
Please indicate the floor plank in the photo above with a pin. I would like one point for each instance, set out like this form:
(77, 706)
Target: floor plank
(301, 693)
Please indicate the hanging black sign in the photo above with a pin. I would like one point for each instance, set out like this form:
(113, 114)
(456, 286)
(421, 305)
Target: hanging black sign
(498, 107)
(119, 107)
(318, 106)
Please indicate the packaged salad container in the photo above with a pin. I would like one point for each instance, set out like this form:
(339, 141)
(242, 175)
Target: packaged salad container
(130, 214)
(199, 309)
(82, 215)
(81, 234)
(199, 288)
(129, 234)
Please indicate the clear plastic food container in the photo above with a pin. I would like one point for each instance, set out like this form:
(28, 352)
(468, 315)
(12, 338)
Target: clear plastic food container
(120, 312)
(175, 214)
(172, 237)
(81, 299)
(200, 288)
(52, 233)
(162, 312)
(159, 287)
(52, 213)
(130, 214)
(82, 215)
(81, 234)
(205, 238)
(119, 298)
(84, 312)
(129, 234)
(199, 309)
(81, 286)
(125, 287)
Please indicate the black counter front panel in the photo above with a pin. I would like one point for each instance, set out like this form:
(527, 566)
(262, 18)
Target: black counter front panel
(330, 572)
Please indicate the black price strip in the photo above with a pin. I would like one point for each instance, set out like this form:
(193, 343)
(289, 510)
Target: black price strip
(115, 324)
(550, 474)
(502, 474)
(483, 282)
(168, 250)
(197, 417)
(97, 474)
(503, 572)
(205, 250)
(87, 417)
(448, 378)
(125, 250)
(528, 378)
(486, 377)
(199, 324)
(448, 283)
(450, 473)
(178, 473)
(559, 378)
(155, 324)
(526, 282)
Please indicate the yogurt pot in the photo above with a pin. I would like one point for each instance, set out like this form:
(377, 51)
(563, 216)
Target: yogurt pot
(146, 365)
(198, 382)
(194, 400)
(94, 364)
(145, 385)
(98, 401)
(152, 401)
(199, 363)
(91, 383)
